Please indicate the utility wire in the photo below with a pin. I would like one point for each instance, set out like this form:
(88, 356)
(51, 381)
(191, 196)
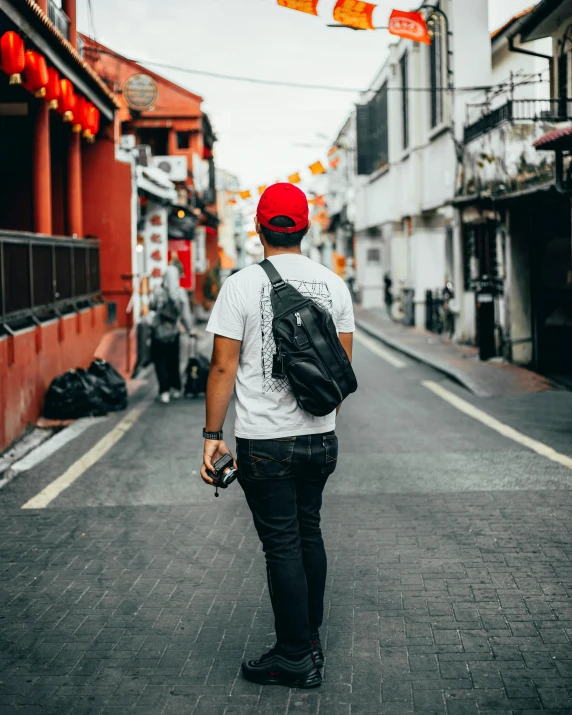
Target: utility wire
(279, 83)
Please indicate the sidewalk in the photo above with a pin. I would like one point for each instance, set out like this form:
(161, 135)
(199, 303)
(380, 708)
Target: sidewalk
(460, 362)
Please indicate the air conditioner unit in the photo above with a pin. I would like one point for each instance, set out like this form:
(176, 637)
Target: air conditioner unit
(127, 142)
(174, 166)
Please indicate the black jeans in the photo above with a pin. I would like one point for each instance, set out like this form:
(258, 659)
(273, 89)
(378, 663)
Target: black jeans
(283, 480)
(166, 357)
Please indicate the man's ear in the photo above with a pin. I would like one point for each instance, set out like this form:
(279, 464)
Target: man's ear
(307, 228)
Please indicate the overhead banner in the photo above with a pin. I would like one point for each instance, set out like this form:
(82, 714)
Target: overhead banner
(309, 6)
(409, 25)
(355, 13)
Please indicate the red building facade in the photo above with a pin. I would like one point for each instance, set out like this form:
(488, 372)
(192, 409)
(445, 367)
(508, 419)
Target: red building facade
(51, 314)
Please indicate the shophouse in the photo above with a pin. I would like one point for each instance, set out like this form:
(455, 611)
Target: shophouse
(515, 204)
(59, 177)
(163, 124)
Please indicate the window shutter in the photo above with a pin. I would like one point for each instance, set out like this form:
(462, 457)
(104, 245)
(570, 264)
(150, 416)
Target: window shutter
(363, 139)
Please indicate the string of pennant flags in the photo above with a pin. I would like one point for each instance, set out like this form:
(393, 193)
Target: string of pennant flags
(315, 169)
(359, 16)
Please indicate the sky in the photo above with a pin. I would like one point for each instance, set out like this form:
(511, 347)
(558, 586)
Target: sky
(264, 132)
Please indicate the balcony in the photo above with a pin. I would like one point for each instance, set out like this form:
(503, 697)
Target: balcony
(518, 110)
(499, 157)
(59, 19)
(43, 276)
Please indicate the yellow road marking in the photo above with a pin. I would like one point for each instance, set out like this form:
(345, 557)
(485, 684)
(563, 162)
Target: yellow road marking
(376, 348)
(497, 425)
(55, 488)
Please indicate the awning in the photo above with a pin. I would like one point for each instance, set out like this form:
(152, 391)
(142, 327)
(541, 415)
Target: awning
(155, 183)
(555, 139)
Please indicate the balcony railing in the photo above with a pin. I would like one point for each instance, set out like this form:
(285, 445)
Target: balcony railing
(535, 110)
(59, 19)
(43, 276)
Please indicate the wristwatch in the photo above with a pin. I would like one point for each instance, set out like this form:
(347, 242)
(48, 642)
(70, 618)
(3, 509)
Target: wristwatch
(212, 435)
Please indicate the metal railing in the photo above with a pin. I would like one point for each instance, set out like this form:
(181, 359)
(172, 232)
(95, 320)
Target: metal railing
(59, 19)
(535, 110)
(43, 276)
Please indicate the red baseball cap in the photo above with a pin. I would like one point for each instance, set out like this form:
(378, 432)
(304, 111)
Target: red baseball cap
(283, 200)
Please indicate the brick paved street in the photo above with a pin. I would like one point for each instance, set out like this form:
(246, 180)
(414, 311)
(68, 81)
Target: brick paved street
(450, 567)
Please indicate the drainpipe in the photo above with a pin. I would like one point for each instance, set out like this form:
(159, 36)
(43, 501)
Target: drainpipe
(69, 7)
(512, 48)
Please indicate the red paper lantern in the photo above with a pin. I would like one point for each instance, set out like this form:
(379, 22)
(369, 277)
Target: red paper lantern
(53, 89)
(80, 115)
(92, 123)
(36, 73)
(67, 100)
(156, 255)
(156, 273)
(12, 56)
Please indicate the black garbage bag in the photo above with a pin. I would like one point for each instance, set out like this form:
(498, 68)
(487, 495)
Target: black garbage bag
(73, 395)
(116, 387)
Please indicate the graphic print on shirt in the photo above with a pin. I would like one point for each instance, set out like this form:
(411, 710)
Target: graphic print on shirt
(319, 292)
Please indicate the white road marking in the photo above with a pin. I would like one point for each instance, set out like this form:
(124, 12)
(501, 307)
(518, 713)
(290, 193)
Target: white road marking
(48, 448)
(55, 488)
(497, 425)
(376, 348)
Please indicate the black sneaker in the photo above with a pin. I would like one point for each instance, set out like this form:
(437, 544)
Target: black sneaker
(317, 652)
(275, 669)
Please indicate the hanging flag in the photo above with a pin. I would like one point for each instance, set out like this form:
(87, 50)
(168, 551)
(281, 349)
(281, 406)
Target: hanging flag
(252, 234)
(245, 194)
(261, 190)
(333, 150)
(355, 14)
(309, 6)
(320, 201)
(334, 162)
(231, 201)
(409, 25)
(294, 178)
(317, 168)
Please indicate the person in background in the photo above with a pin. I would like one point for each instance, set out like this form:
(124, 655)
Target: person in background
(170, 303)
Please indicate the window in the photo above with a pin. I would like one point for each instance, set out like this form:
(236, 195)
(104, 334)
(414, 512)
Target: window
(373, 255)
(563, 84)
(436, 78)
(183, 140)
(372, 134)
(404, 100)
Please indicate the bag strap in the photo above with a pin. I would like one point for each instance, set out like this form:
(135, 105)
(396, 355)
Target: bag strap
(275, 278)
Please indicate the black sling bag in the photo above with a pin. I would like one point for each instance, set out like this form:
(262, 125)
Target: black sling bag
(308, 351)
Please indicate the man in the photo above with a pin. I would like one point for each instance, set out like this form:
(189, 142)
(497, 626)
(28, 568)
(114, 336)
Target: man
(285, 455)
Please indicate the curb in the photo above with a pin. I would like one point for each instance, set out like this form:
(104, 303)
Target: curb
(457, 375)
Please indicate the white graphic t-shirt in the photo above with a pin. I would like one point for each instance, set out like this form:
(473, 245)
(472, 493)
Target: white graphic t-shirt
(265, 406)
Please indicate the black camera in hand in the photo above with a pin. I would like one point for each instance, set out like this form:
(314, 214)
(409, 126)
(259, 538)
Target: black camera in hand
(224, 473)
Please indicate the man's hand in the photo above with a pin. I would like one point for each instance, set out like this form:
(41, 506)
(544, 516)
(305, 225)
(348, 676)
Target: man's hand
(213, 451)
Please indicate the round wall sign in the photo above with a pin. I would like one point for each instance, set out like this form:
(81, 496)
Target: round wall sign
(140, 92)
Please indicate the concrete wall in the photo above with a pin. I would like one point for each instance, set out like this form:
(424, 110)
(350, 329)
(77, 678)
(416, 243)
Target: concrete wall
(504, 158)
(30, 360)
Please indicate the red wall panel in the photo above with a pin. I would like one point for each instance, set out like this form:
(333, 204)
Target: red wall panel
(107, 188)
(23, 383)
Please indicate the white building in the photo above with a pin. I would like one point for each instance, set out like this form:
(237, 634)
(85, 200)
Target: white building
(230, 238)
(409, 129)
